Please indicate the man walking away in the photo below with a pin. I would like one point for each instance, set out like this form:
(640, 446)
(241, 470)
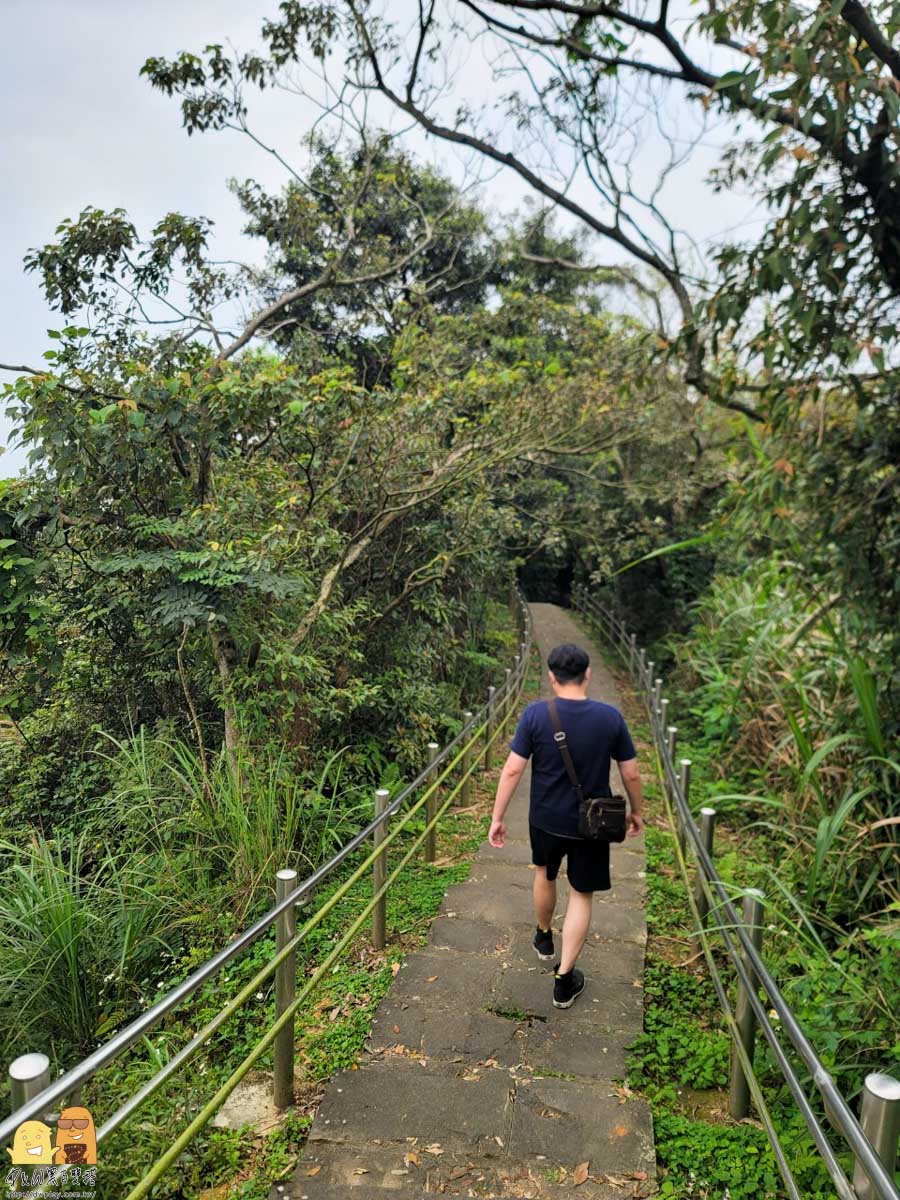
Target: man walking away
(596, 734)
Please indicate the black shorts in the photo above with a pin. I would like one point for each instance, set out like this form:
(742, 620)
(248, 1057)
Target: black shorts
(587, 862)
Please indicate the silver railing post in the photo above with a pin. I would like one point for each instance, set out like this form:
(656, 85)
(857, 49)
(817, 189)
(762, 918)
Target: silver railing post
(880, 1120)
(684, 781)
(662, 716)
(671, 735)
(642, 666)
(489, 731)
(29, 1074)
(657, 695)
(632, 650)
(648, 687)
(739, 1090)
(431, 805)
(379, 874)
(707, 830)
(465, 792)
(507, 698)
(285, 991)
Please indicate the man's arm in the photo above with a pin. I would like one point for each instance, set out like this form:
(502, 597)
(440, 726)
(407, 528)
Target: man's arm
(506, 785)
(631, 778)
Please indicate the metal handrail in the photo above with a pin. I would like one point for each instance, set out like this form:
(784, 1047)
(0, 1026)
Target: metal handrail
(750, 968)
(73, 1080)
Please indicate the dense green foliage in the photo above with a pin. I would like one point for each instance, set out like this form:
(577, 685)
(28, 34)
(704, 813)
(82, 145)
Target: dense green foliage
(262, 554)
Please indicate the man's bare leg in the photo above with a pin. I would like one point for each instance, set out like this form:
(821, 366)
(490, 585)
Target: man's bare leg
(575, 927)
(544, 897)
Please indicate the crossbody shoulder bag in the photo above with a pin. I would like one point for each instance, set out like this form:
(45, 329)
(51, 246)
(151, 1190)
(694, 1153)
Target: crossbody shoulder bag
(600, 818)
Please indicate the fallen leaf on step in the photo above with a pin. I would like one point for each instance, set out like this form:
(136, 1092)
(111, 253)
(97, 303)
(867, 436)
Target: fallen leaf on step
(620, 1130)
(399, 1171)
(431, 979)
(396, 1029)
(624, 1093)
(458, 1172)
(360, 1170)
(395, 967)
(314, 1170)
(638, 1174)
(498, 1140)
(411, 1160)
(335, 1013)
(434, 1148)
(580, 1174)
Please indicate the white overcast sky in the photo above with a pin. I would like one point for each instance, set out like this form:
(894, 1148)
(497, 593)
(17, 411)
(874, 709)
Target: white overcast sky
(81, 127)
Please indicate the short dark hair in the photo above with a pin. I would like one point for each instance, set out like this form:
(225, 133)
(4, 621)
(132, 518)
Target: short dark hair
(568, 663)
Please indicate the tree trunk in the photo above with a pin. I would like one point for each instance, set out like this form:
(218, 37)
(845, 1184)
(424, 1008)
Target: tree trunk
(224, 651)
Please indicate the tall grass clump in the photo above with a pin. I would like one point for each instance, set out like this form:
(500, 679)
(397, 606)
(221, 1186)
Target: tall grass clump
(80, 926)
(228, 831)
(789, 697)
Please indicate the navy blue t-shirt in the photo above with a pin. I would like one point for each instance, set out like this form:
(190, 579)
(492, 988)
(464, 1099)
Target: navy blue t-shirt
(595, 732)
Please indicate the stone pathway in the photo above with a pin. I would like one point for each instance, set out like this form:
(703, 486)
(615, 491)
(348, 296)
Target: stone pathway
(473, 1083)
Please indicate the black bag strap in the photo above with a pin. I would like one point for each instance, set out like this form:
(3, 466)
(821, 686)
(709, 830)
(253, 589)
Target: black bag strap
(562, 745)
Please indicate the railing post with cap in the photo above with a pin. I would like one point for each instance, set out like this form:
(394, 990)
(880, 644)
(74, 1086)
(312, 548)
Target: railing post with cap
(684, 781)
(671, 735)
(880, 1120)
(285, 992)
(431, 805)
(739, 1090)
(465, 792)
(379, 874)
(489, 730)
(707, 829)
(29, 1074)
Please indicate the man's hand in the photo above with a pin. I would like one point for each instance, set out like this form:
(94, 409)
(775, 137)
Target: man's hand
(497, 834)
(635, 825)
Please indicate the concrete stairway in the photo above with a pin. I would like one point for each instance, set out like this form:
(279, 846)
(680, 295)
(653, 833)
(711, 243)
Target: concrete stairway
(473, 1084)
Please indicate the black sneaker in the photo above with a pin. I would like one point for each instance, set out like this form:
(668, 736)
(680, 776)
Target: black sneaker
(543, 944)
(567, 987)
